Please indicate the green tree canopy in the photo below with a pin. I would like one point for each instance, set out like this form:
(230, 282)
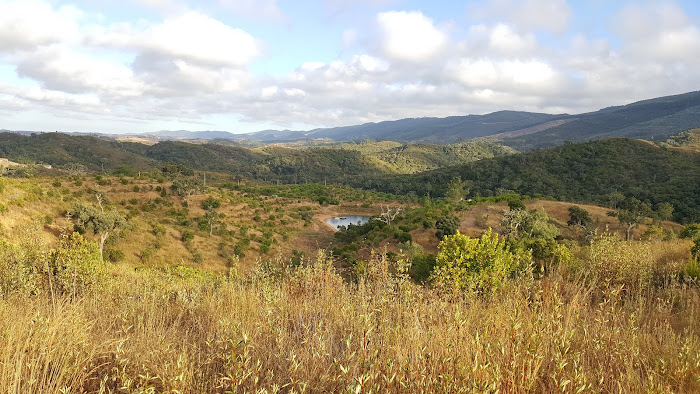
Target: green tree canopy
(100, 222)
(446, 225)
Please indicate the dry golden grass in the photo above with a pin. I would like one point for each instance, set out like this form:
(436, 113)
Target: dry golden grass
(305, 330)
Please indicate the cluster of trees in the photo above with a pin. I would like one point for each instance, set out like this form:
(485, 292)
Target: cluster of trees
(599, 172)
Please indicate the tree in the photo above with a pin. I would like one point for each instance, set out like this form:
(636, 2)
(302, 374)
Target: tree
(579, 217)
(212, 218)
(456, 190)
(211, 202)
(187, 187)
(631, 213)
(615, 198)
(664, 211)
(389, 214)
(446, 225)
(96, 219)
(520, 223)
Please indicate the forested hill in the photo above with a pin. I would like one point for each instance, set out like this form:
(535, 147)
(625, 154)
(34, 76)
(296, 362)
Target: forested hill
(585, 172)
(654, 120)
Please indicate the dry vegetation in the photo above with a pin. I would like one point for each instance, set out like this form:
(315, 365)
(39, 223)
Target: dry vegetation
(614, 317)
(628, 325)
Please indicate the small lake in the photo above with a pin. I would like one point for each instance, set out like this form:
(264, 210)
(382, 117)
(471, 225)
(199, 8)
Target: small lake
(345, 220)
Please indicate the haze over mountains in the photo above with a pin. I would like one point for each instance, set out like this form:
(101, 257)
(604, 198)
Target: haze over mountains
(653, 119)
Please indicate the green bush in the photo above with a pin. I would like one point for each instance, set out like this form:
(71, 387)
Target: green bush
(446, 225)
(187, 236)
(113, 255)
(476, 264)
(75, 266)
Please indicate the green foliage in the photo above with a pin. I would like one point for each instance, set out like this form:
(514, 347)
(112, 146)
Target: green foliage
(528, 224)
(631, 213)
(691, 231)
(187, 187)
(210, 203)
(186, 236)
(74, 267)
(476, 264)
(516, 204)
(445, 226)
(102, 223)
(586, 172)
(113, 255)
(579, 217)
(456, 190)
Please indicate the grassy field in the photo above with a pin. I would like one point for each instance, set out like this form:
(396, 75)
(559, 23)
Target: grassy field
(614, 316)
(594, 325)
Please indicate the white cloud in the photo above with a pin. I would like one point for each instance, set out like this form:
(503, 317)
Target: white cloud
(25, 25)
(190, 65)
(499, 40)
(409, 36)
(658, 32)
(193, 37)
(550, 15)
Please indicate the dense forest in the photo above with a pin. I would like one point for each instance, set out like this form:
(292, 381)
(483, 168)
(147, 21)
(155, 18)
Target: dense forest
(584, 172)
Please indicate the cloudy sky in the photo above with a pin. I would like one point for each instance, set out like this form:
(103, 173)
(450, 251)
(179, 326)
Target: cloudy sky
(247, 65)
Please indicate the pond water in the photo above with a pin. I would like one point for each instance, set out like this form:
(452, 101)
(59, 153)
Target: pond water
(345, 220)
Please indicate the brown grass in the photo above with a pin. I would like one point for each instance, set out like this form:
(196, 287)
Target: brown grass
(281, 329)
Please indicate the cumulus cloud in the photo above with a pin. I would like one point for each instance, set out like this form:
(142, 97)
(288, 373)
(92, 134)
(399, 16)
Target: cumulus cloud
(409, 36)
(190, 64)
(193, 37)
(25, 25)
(659, 31)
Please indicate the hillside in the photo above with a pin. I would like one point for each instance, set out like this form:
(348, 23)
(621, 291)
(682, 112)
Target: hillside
(60, 149)
(586, 172)
(653, 120)
(288, 163)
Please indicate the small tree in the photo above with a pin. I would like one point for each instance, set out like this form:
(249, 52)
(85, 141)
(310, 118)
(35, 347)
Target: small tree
(520, 223)
(389, 214)
(186, 187)
(631, 213)
(664, 211)
(446, 225)
(579, 217)
(456, 190)
(212, 218)
(96, 219)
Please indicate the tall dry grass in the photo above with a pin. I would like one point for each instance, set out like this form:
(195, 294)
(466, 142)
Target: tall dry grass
(306, 330)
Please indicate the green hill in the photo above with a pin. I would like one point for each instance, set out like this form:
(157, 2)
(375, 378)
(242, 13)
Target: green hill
(586, 172)
(654, 119)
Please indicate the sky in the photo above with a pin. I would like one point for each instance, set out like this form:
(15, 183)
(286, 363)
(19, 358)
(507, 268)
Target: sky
(134, 66)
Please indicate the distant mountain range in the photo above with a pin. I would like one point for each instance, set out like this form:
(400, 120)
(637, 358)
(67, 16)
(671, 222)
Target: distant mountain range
(654, 119)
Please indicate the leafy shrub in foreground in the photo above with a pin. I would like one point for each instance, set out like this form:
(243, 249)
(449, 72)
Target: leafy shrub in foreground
(476, 264)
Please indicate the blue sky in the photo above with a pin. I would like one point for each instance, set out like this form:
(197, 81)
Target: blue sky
(247, 65)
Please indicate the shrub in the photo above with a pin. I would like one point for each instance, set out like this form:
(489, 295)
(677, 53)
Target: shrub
(446, 225)
(113, 255)
(476, 264)
(187, 236)
(74, 266)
